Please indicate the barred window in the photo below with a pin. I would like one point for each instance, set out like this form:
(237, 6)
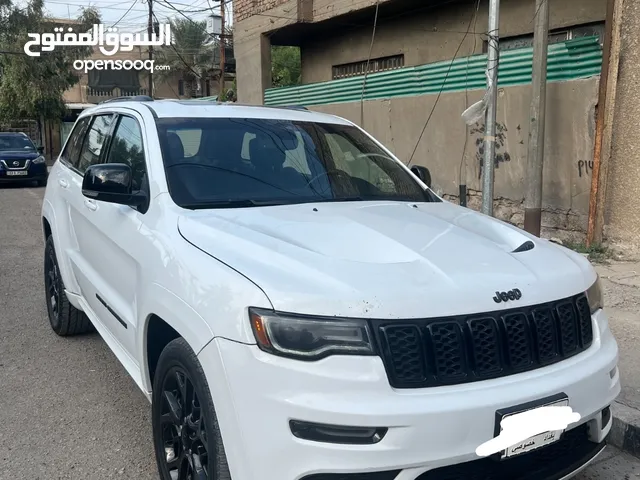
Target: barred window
(555, 36)
(375, 65)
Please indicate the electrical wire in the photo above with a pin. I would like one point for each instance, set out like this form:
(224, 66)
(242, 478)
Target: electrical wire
(435, 104)
(125, 14)
(179, 55)
(181, 12)
(366, 71)
(466, 99)
(538, 10)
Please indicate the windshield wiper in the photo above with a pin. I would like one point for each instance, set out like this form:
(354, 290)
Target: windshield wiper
(233, 204)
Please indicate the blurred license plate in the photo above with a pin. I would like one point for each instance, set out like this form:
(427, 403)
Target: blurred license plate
(537, 441)
(18, 173)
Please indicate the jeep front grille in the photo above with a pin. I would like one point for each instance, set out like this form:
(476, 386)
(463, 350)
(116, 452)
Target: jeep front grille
(454, 350)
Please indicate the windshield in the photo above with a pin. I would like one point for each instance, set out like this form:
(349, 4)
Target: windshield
(221, 162)
(16, 142)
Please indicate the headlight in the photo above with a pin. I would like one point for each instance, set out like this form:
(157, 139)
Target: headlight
(309, 338)
(38, 160)
(594, 296)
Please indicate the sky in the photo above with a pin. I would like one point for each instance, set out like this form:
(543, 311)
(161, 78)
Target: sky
(132, 15)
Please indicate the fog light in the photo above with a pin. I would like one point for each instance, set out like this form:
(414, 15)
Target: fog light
(316, 432)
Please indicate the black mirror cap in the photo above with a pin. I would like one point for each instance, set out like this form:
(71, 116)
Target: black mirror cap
(423, 174)
(40, 150)
(112, 183)
(113, 178)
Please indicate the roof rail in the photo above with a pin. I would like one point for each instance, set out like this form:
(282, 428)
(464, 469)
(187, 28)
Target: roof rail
(135, 98)
(295, 107)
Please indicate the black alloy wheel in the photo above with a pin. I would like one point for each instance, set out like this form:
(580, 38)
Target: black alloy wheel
(53, 287)
(187, 439)
(65, 319)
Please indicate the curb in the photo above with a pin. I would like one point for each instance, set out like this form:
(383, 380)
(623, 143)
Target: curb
(625, 431)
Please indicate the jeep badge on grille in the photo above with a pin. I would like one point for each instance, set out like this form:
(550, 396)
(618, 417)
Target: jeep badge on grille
(514, 294)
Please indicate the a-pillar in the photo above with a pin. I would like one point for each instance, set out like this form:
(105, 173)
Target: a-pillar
(253, 68)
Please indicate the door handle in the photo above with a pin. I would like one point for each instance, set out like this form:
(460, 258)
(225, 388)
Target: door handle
(90, 205)
(63, 183)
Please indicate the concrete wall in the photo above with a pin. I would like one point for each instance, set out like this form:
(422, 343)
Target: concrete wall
(326, 9)
(568, 148)
(430, 35)
(622, 212)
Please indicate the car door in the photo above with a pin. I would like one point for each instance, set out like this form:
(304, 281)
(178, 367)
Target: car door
(86, 236)
(110, 242)
(60, 198)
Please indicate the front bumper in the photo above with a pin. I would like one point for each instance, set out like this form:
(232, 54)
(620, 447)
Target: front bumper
(257, 394)
(33, 172)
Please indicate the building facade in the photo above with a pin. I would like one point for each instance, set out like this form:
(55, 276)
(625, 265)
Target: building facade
(427, 53)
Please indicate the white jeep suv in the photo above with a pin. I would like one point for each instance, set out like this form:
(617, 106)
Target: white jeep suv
(297, 304)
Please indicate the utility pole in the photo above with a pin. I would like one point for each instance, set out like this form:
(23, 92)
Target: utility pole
(150, 31)
(535, 149)
(222, 51)
(490, 114)
(606, 107)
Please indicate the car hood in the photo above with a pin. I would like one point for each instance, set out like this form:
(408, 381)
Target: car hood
(385, 259)
(18, 155)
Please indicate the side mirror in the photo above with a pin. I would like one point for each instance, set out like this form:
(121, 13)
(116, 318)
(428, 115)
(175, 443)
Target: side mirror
(41, 150)
(111, 182)
(423, 174)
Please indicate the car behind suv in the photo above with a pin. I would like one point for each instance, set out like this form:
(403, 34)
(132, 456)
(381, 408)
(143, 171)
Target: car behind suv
(21, 160)
(298, 305)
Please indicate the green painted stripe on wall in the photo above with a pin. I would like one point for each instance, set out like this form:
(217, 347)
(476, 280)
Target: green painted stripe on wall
(570, 60)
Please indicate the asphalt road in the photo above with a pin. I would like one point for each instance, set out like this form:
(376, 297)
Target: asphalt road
(68, 410)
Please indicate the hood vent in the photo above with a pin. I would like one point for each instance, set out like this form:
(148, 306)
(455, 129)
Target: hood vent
(525, 247)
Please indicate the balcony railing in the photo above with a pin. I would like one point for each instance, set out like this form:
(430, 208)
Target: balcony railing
(100, 95)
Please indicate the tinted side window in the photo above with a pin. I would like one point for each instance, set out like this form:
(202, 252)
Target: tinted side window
(126, 147)
(352, 158)
(92, 147)
(71, 151)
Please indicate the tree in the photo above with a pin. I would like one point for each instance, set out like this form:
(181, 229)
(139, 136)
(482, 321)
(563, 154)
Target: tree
(31, 87)
(286, 69)
(190, 55)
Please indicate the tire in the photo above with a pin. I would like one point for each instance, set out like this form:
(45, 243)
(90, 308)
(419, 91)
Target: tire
(65, 319)
(178, 448)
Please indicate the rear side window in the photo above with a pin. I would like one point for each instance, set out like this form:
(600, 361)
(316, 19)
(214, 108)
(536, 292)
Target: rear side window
(126, 147)
(95, 140)
(71, 151)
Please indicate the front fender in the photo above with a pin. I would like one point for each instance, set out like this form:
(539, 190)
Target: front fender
(178, 315)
